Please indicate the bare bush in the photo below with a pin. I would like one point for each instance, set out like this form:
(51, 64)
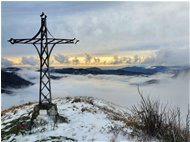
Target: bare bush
(156, 120)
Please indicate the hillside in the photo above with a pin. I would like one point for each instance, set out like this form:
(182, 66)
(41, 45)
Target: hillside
(11, 80)
(89, 119)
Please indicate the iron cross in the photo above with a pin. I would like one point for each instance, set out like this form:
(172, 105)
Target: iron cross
(44, 46)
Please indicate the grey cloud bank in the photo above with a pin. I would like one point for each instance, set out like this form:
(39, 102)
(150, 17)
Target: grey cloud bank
(102, 27)
(61, 58)
(6, 63)
(29, 61)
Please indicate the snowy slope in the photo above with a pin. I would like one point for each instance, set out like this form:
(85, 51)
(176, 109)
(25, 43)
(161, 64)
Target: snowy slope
(90, 119)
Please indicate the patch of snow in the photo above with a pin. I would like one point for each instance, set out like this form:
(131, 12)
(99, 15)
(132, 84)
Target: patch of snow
(89, 120)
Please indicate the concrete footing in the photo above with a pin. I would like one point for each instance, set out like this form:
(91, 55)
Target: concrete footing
(47, 110)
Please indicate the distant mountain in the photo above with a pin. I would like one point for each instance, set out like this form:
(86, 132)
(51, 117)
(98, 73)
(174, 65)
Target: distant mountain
(11, 80)
(134, 70)
(11, 69)
(144, 70)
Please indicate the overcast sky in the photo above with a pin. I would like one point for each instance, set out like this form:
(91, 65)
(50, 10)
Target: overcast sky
(130, 32)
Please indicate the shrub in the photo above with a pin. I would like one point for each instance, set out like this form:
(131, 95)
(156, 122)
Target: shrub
(156, 120)
(76, 100)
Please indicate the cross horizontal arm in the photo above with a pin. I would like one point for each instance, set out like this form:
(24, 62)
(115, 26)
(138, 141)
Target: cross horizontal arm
(24, 41)
(62, 41)
(38, 41)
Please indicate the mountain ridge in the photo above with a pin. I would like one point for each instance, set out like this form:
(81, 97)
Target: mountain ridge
(134, 70)
(90, 119)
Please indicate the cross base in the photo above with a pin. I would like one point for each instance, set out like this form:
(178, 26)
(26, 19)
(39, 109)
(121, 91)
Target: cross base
(45, 108)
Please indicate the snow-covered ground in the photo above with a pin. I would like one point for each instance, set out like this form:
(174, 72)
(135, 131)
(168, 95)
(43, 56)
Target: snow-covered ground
(120, 90)
(90, 119)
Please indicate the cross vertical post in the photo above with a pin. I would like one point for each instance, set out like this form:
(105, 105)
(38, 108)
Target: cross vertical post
(45, 85)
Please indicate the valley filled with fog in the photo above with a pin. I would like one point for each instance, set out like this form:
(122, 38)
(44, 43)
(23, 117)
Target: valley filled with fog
(122, 90)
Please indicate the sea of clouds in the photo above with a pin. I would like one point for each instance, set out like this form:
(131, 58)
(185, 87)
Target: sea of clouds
(121, 90)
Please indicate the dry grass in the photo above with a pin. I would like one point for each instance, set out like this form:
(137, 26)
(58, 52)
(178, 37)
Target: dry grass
(88, 110)
(157, 121)
(15, 108)
(76, 100)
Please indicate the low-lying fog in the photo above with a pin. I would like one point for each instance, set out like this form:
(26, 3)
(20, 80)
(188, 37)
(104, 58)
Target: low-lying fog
(121, 90)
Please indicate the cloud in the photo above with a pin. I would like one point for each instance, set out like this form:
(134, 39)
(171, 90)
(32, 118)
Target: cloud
(96, 60)
(150, 59)
(136, 59)
(127, 60)
(29, 61)
(131, 26)
(117, 60)
(108, 87)
(5, 62)
(87, 58)
(170, 56)
(75, 61)
(51, 61)
(61, 59)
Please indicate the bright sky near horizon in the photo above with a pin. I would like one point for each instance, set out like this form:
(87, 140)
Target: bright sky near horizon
(110, 33)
